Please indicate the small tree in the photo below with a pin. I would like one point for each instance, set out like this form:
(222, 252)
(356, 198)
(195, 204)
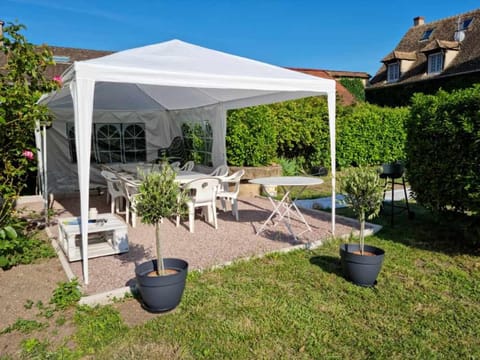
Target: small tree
(160, 197)
(22, 83)
(364, 193)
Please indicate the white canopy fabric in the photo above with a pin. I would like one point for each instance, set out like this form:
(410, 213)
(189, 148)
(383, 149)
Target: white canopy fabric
(181, 79)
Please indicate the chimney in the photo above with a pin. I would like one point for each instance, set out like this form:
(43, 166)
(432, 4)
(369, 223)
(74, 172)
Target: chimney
(419, 20)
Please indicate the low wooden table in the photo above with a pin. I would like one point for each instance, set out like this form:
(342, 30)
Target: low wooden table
(106, 236)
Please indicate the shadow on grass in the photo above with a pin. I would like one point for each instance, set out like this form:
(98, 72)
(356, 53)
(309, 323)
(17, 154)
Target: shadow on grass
(452, 234)
(329, 264)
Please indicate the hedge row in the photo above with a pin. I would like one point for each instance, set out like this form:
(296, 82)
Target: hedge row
(366, 134)
(370, 135)
(443, 150)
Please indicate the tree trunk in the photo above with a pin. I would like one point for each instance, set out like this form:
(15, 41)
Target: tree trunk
(160, 266)
(362, 232)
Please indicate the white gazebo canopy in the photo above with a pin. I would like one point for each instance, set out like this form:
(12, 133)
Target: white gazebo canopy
(177, 79)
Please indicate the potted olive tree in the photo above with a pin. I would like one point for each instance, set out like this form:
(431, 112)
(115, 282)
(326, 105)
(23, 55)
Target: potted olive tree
(160, 282)
(363, 191)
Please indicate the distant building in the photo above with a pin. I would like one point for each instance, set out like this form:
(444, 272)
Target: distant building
(441, 54)
(64, 57)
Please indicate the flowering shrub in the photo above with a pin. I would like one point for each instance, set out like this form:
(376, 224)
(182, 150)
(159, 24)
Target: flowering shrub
(58, 80)
(22, 83)
(28, 154)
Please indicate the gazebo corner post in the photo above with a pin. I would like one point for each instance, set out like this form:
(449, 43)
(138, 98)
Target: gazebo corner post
(41, 145)
(44, 170)
(332, 130)
(82, 90)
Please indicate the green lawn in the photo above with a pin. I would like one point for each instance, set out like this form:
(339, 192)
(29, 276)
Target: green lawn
(298, 306)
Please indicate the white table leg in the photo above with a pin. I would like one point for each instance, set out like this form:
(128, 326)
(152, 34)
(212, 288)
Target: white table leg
(284, 216)
(276, 208)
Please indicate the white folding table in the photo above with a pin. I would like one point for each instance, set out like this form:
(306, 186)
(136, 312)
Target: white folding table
(286, 207)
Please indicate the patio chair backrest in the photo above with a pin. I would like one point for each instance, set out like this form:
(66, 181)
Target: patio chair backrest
(233, 179)
(203, 190)
(113, 182)
(129, 189)
(175, 165)
(221, 170)
(188, 166)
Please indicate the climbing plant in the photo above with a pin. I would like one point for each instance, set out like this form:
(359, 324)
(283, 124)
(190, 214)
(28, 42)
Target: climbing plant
(22, 83)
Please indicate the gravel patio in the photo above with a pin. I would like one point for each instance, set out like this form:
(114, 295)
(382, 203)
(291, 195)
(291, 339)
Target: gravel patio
(206, 248)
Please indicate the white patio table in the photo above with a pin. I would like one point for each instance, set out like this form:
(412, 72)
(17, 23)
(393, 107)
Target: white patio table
(286, 207)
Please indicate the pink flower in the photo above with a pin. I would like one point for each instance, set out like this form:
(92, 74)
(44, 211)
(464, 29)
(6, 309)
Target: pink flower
(28, 154)
(58, 79)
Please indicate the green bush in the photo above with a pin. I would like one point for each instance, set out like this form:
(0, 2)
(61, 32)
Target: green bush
(289, 167)
(251, 137)
(66, 294)
(356, 88)
(17, 247)
(370, 135)
(303, 132)
(299, 129)
(22, 83)
(443, 150)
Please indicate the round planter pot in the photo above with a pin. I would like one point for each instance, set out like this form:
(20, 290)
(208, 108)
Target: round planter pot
(361, 269)
(161, 293)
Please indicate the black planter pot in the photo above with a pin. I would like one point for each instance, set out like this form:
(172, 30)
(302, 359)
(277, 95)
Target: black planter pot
(360, 269)
(161, 293)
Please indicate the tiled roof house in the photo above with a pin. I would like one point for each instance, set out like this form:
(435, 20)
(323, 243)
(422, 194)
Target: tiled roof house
(64, 57)
(440, 54)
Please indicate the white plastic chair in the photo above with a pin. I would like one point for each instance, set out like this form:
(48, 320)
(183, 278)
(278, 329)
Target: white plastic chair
(130, 191)
(232, 196)
(203, 193)
(221, 170)
(188, 166)
(175, 165)
(115, 192)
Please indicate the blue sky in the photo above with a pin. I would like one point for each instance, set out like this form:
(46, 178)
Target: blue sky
(340, 35)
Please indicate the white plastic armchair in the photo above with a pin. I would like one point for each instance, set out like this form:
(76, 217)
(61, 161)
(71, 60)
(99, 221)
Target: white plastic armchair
(115, 192)
(130, 191)
(175, 165)
(229, 191)
(221, 170)
(188, 166)
(203, 193)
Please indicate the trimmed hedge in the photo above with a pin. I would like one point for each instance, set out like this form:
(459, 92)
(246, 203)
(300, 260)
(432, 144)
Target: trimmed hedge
(443, 150)
(366, 134)
(370, 135)
(355, 87)
(303, 134)
(251, 136)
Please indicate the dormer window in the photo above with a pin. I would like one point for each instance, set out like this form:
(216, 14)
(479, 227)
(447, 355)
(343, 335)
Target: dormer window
(463, 25)
(435, 63)
(393, 71)
(426, 34)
